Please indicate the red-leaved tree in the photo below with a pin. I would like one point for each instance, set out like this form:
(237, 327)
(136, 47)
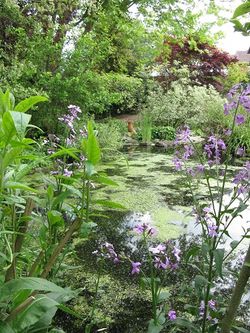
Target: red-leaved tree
(206, 63)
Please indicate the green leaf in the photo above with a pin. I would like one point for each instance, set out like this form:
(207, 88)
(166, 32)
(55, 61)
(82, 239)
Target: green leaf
(104, 180)
(27, 103)
(90, 169)
(218, 257)
(163, 296)
(154, 328)
(234, 244)
(21, 121)
(110, 204)
(186, 323)
(34, 312)
(30, 283)
(5, 328)
(241, 329)
(242, 9)
(66, 151)
(8, 127)
(10, 157)
(19, 186)
(247, 264)
(91, 146)
(55, 218)
(200, 281)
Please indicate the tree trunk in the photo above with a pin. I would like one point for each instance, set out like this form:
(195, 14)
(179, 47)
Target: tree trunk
(237, 295)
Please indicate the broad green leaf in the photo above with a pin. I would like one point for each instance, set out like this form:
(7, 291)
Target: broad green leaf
(8, 127)
(154, 328)
(110, 204)
(218, 257)
(104, 180)
(242, 9)
(31, 283)
(19, 186)
(66, 151)
(163, 296)
(90, 169)
(21, 121)
(6, 101)
(34, 312)
(91, 146)
(241, 329)
(55, 218)
(200, 281)
(10, 157)
(27, 103)
(5, 328)
(186, 323)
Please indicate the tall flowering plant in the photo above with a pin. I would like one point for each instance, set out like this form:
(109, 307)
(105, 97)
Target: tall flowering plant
(156, 262)
(224, 206)
(160, 260)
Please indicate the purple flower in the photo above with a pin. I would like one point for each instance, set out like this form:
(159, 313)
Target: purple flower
(188, 152)
(213, 149)
(227, 132)
(145, 228)
(212, 305)
(176, 253)
(158, 249)
(177, 163)
(109, 252)
(172, 315)
(202, 308)
(183, 136)
(212, 230)
(135, 267)
(229, 106)
(240, 151)
(200, 168)
(67, 173)
(160, 264)
(240, 119)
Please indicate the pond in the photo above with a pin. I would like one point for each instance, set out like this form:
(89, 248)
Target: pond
(152, 192)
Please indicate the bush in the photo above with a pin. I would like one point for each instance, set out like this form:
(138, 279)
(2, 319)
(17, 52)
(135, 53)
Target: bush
(183, 103)
(236, 73)
(163, 133)
(110, 136)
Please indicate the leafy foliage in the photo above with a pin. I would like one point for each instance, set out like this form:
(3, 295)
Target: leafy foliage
(205, 61)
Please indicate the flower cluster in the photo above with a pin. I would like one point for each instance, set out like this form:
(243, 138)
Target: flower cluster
(211, 306)
(204, 216)
(214, 150)
(145, 229)
(238, 95)
(160, 253)
(242, 179)
(107, 251)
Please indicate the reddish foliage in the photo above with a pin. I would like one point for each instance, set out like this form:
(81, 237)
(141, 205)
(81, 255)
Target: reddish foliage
(207, 61)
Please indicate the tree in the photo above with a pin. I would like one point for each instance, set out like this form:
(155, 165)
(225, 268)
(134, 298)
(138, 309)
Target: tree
(205, 62)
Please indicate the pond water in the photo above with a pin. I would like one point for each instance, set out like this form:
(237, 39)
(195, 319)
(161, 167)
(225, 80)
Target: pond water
(152, 191)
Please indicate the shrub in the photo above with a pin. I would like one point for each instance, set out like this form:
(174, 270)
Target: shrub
(236, 73)
(183, 103)
(163, 132)
(110, 135)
